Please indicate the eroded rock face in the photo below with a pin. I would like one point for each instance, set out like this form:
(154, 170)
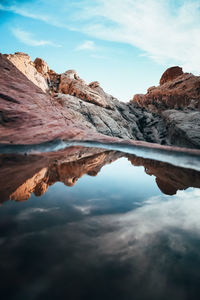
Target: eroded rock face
(43, 68)
(177, 93)
(177, 101)
(78, 110)
(23, 62)
(29, 116)
(170, 74)
(123, 121)
(72, 84)
(183, 127)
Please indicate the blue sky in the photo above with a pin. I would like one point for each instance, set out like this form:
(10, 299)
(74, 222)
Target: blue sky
(124, 44)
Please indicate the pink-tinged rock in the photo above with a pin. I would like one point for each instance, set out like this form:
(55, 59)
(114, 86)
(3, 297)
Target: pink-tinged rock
(23, 62)
(28, 115)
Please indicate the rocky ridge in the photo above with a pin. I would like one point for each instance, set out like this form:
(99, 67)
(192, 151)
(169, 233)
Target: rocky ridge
(167, 114)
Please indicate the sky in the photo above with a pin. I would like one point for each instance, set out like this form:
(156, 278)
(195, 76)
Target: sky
(126, 45)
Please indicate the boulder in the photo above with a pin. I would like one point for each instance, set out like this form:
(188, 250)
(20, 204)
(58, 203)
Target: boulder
(41, 66)
(170, 74)
(72, 84)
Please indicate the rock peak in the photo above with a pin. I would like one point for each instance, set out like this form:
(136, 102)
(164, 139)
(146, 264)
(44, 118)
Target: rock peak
(171, 74)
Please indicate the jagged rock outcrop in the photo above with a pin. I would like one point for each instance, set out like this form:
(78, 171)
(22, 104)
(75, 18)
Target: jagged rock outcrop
(23, 62)
(177, 101)
(181, 92)
(41, 66)
(71, 108)
(123, 121)
(27, 114)
(72, 84)
(183, 127)
(39, 117)
(170, 74)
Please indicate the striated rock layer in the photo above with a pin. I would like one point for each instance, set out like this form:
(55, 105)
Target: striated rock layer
(29, 116)
(177, 101)
(23, 62)
(39, 105)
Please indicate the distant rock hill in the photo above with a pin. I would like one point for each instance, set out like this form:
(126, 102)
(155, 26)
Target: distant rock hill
(43, 105)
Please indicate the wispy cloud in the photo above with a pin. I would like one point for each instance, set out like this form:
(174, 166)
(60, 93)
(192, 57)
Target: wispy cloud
(168, 35)
(28, 39)
(86, 45)
(24, 13)
(166, 31)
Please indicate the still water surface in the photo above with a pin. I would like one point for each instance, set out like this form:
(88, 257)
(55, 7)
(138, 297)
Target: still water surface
(121, 232)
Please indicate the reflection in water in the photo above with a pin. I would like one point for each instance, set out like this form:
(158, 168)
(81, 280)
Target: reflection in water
(68, 170)
(118, 235)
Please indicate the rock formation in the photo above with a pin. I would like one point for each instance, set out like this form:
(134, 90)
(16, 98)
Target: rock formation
(181, 92)
(72, 109)
(170, 74)
(71, 84)
(177, 101)
(28, 115)
(23, 62)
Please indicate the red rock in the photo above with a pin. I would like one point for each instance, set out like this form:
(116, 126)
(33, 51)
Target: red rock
(181, 92)
(41, 66)
(28, 115)
(23, 62)
(73, 85)
(170, 74)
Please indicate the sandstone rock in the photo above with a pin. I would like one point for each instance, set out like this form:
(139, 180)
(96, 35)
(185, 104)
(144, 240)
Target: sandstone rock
(43, 68)
(178, 93)
(29, 116)
(171, 74)
(23, 62)
(71, 84)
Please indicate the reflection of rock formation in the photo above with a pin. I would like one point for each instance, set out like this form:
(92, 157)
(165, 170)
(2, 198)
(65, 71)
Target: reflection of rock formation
(169, 178)
(20, 176)
(67, 172)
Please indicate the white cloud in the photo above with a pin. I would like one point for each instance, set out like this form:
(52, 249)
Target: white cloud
(28, 39)
(166, 31)
(86, 45)
(24, 13)
(168, 36)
